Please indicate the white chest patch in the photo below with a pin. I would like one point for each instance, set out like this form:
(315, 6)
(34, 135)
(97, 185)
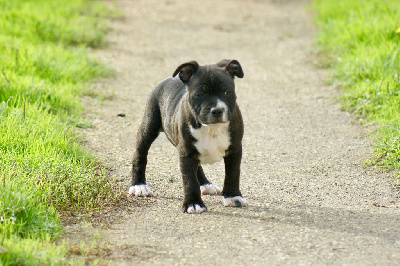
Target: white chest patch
(212, 142)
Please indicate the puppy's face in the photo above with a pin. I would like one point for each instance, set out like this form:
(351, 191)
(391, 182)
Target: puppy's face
(211, 89)
(212, 95)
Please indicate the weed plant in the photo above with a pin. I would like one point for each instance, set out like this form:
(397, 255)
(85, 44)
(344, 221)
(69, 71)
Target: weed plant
(363, 39)
(44, 66)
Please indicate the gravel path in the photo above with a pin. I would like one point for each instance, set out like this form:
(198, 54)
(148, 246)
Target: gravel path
(311, 200)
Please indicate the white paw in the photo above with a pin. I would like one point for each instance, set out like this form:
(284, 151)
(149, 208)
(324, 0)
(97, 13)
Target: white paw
(237, 201)
(196, 208)
(210, 189)
(140, 191)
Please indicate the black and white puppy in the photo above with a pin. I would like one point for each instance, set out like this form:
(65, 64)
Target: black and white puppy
(198, 113)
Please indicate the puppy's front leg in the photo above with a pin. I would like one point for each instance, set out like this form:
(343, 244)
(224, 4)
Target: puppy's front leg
(231, 191)
(192, 202)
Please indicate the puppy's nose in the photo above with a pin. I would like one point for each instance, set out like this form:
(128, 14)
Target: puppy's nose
(217, 112)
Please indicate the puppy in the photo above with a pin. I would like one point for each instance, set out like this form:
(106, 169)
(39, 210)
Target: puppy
(196, 109)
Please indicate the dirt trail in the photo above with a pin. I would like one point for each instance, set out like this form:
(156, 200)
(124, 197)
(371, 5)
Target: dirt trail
(311, 201)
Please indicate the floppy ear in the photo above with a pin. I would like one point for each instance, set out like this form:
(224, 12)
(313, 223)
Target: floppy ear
(186, 70)
(232, 67)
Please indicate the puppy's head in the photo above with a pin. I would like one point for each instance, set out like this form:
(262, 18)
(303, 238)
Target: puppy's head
(211, 89)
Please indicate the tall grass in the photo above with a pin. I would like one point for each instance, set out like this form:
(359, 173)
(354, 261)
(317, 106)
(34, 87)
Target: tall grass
(363, 39)
(44, 67)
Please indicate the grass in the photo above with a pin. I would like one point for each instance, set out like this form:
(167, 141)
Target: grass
(33, 251)
(362, 38)
(44, 68)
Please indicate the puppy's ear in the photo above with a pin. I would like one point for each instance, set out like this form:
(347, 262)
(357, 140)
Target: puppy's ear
(186, 70)
(232, 67)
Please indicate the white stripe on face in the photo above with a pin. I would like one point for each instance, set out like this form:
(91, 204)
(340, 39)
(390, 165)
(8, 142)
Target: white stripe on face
(222, 105)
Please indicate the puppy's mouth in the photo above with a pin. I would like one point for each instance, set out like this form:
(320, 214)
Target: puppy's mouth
(214, 123)
(210, 119)
(214, 120)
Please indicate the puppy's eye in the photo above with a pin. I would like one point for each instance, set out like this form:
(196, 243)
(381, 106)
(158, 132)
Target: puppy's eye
(227, 93)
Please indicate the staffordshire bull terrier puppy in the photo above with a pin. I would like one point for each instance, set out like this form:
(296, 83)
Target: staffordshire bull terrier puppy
(198, 113)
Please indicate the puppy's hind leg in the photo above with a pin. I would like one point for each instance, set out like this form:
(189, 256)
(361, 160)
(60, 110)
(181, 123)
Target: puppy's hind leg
(147, 133)
(206, 187)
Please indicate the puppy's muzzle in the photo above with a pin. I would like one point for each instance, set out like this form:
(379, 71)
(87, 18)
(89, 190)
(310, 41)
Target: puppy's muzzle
(217, 115)
(217, 112)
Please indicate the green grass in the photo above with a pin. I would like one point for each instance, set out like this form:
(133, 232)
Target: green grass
(360, 36)
(33, 251)
(44, 68)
